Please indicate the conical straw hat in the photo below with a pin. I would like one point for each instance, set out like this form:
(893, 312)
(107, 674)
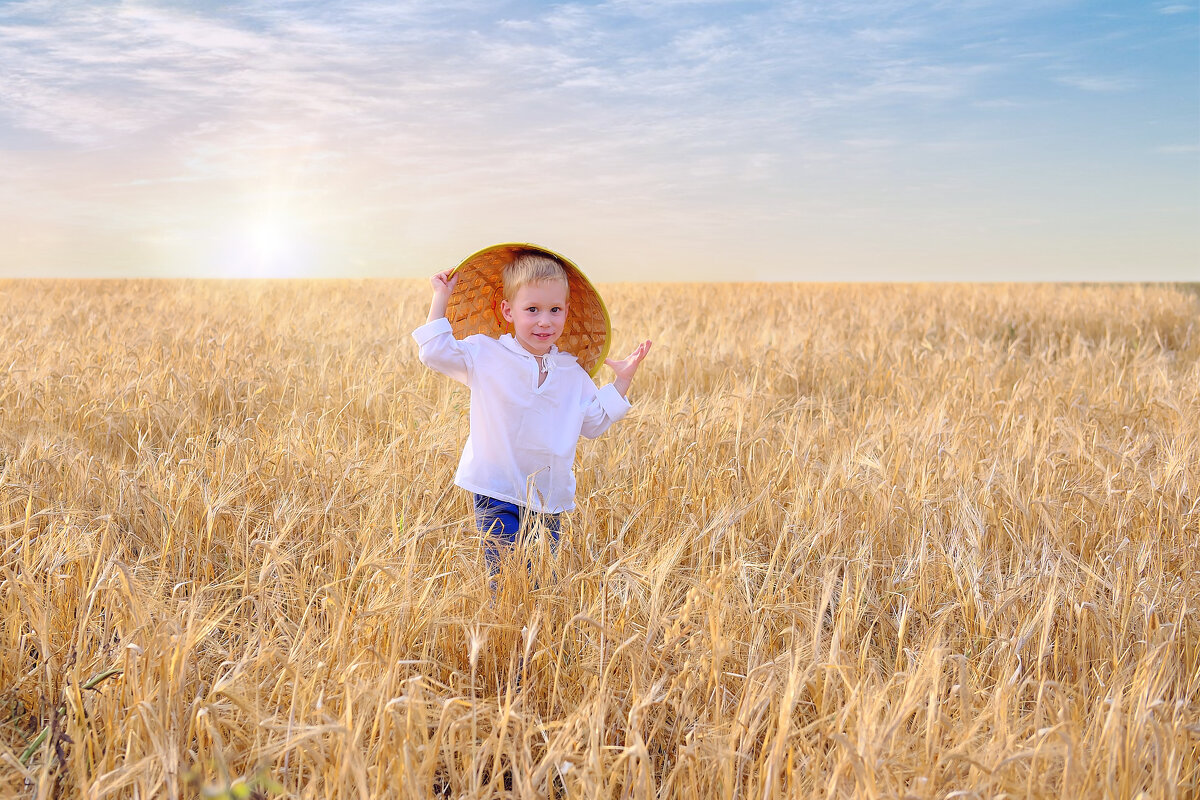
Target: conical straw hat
(474, 305)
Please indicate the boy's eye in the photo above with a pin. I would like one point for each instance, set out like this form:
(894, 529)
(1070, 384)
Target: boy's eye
(555, 310)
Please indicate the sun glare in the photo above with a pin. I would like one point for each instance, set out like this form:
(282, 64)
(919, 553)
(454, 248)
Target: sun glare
(268, 249)
(269, 245)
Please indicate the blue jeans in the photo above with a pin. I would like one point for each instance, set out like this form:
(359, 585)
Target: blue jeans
(503, 524)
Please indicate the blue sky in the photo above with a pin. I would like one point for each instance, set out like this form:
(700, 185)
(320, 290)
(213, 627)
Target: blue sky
(659, 139)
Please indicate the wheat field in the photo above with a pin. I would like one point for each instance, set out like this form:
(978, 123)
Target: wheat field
(852, 541)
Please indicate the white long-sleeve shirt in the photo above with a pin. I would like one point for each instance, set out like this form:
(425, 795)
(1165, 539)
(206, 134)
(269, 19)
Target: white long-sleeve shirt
(521, 447)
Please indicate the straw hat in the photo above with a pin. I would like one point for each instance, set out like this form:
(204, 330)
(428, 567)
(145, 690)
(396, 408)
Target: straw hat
(474, 305)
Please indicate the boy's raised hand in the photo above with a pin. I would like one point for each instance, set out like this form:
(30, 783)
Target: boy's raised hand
(443, 284)
(625, 369)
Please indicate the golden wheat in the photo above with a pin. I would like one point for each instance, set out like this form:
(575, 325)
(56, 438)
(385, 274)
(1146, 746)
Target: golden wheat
(871, 541)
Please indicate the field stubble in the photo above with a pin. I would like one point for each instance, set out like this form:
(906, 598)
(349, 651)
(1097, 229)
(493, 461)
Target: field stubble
(852, 541)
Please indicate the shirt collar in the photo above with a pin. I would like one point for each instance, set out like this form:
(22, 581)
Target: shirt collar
(510, 341)
(554, 357)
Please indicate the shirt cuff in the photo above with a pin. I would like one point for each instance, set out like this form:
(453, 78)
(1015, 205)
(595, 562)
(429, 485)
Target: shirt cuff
(611, 401)
(432, 330)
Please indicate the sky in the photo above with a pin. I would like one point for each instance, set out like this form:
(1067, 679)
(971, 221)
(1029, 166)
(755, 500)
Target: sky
(979, 140)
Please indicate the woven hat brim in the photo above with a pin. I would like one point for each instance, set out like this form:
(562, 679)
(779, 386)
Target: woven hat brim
(474, 305)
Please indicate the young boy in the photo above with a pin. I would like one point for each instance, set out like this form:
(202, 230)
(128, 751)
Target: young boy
(530, 402)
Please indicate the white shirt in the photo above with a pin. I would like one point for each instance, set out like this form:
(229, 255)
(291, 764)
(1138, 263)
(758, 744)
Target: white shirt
(521, 447)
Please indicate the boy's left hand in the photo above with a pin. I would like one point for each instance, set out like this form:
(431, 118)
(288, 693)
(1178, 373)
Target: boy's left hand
(625, 369)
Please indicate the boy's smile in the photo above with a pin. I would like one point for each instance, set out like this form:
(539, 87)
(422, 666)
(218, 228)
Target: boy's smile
(538, 313)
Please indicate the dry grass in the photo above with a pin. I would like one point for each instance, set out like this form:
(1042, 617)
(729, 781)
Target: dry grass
(854, 541)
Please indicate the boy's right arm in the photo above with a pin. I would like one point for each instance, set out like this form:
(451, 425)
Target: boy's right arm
(439, 350)
(443, 284)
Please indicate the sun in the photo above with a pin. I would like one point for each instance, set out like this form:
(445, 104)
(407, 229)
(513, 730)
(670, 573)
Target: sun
(270, 245)
(270, 248)
(267, 233)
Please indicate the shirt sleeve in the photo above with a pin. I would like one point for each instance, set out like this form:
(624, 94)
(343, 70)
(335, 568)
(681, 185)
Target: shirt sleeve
(605, 408)
(440, 351)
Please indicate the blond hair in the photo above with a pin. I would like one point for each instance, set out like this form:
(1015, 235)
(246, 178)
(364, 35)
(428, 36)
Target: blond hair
(532, 268)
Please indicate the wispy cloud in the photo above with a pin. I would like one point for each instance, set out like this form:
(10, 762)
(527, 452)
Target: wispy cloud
(1178, 149)
(360, 73)
(93, 73)
(1098, 83)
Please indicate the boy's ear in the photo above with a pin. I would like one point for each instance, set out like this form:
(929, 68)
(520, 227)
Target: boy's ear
(506, 310)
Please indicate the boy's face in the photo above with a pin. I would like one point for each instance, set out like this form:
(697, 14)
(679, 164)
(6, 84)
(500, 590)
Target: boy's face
(538, 313)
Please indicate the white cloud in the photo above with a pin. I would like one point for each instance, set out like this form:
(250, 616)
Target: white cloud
(467, 93)
(1178, 149)
(96, 73)
(93, 74)
(887, 35)
(1098, 83)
